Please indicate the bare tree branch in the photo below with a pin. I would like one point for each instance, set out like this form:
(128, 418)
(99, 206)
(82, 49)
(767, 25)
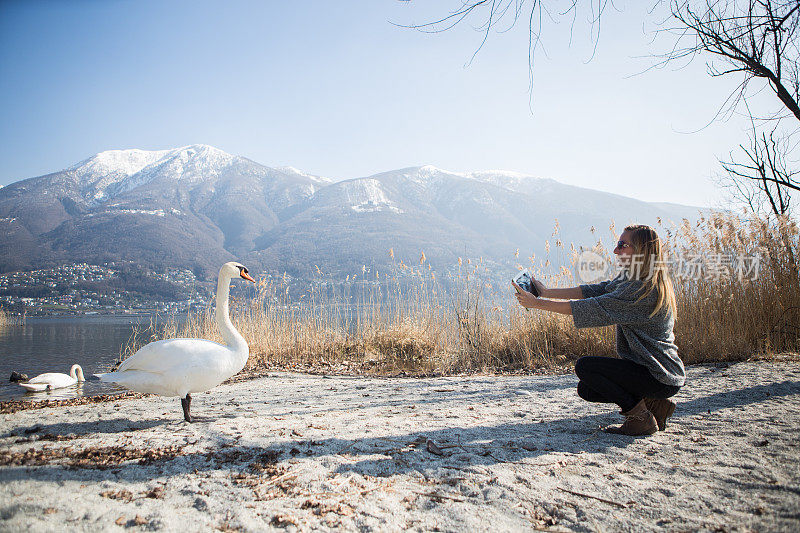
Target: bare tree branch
(757, 38)
(764, 176)
(744, 39)
(491, 13)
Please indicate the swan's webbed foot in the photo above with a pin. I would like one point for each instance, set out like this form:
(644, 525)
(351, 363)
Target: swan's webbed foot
(186, 403)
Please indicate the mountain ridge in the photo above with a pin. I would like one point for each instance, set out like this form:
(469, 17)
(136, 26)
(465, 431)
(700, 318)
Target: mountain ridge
(197, 206)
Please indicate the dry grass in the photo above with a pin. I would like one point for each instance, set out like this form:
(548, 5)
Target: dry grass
(731, 319)
(7, 319)
(407, 323)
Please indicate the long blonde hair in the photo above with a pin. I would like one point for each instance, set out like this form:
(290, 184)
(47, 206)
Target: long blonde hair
(652, 268)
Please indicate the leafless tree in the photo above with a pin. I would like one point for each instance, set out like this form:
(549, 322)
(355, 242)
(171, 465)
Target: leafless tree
(763, 177)
(758, 41)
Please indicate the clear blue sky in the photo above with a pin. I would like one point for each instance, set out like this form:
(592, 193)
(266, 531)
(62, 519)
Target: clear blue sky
(334, 89)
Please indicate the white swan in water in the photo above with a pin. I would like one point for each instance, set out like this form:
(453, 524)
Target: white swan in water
(54, 380)
(179, 367)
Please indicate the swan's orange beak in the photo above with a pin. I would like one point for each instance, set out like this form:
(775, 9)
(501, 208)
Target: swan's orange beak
(246, 276)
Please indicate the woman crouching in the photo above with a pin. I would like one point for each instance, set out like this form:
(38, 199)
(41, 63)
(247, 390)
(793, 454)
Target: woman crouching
(640, 301)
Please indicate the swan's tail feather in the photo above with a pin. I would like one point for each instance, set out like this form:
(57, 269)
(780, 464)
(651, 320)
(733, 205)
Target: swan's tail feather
(35, 387)
(108, 377)
(136, 380)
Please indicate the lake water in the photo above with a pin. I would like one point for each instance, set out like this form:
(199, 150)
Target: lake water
(55, 344)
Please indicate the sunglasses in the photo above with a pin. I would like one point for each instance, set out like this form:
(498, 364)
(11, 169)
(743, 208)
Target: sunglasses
(623, 245)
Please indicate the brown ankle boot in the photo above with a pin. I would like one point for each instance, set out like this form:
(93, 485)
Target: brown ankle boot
(662, 408)
(638, 421)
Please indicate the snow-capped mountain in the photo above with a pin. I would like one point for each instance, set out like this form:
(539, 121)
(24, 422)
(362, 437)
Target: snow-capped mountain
(198, 206)
(448, 215)
(110, 174)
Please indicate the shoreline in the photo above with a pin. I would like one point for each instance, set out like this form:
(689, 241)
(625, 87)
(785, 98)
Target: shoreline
(13, 406)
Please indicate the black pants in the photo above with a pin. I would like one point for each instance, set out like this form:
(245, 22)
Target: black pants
(619, 381)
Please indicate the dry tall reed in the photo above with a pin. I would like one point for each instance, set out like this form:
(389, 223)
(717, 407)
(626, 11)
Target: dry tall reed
(723, 317)
(405, 321)
(7, 319)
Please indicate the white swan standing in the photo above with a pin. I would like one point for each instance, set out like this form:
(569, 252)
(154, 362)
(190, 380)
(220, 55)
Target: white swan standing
(179, 367)
(54, 380)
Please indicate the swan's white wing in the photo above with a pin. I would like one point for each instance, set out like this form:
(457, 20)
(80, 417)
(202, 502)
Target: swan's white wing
(184, 372)
(161, 356)
(54, 379)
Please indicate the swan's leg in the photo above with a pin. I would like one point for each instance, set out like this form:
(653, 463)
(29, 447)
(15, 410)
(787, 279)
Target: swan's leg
(186, 403)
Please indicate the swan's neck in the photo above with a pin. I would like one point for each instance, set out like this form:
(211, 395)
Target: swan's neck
(229, 334)
(76, 373)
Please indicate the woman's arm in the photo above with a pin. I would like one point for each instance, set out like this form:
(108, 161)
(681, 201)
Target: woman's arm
(571, 293)
(530, 301)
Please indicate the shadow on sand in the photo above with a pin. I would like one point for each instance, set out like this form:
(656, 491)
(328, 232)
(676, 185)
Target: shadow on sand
(385, 456)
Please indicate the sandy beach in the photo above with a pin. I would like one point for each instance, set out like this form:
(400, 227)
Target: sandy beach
(301, 452)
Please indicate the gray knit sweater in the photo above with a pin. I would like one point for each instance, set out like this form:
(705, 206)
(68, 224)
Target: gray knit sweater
(641, 339)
